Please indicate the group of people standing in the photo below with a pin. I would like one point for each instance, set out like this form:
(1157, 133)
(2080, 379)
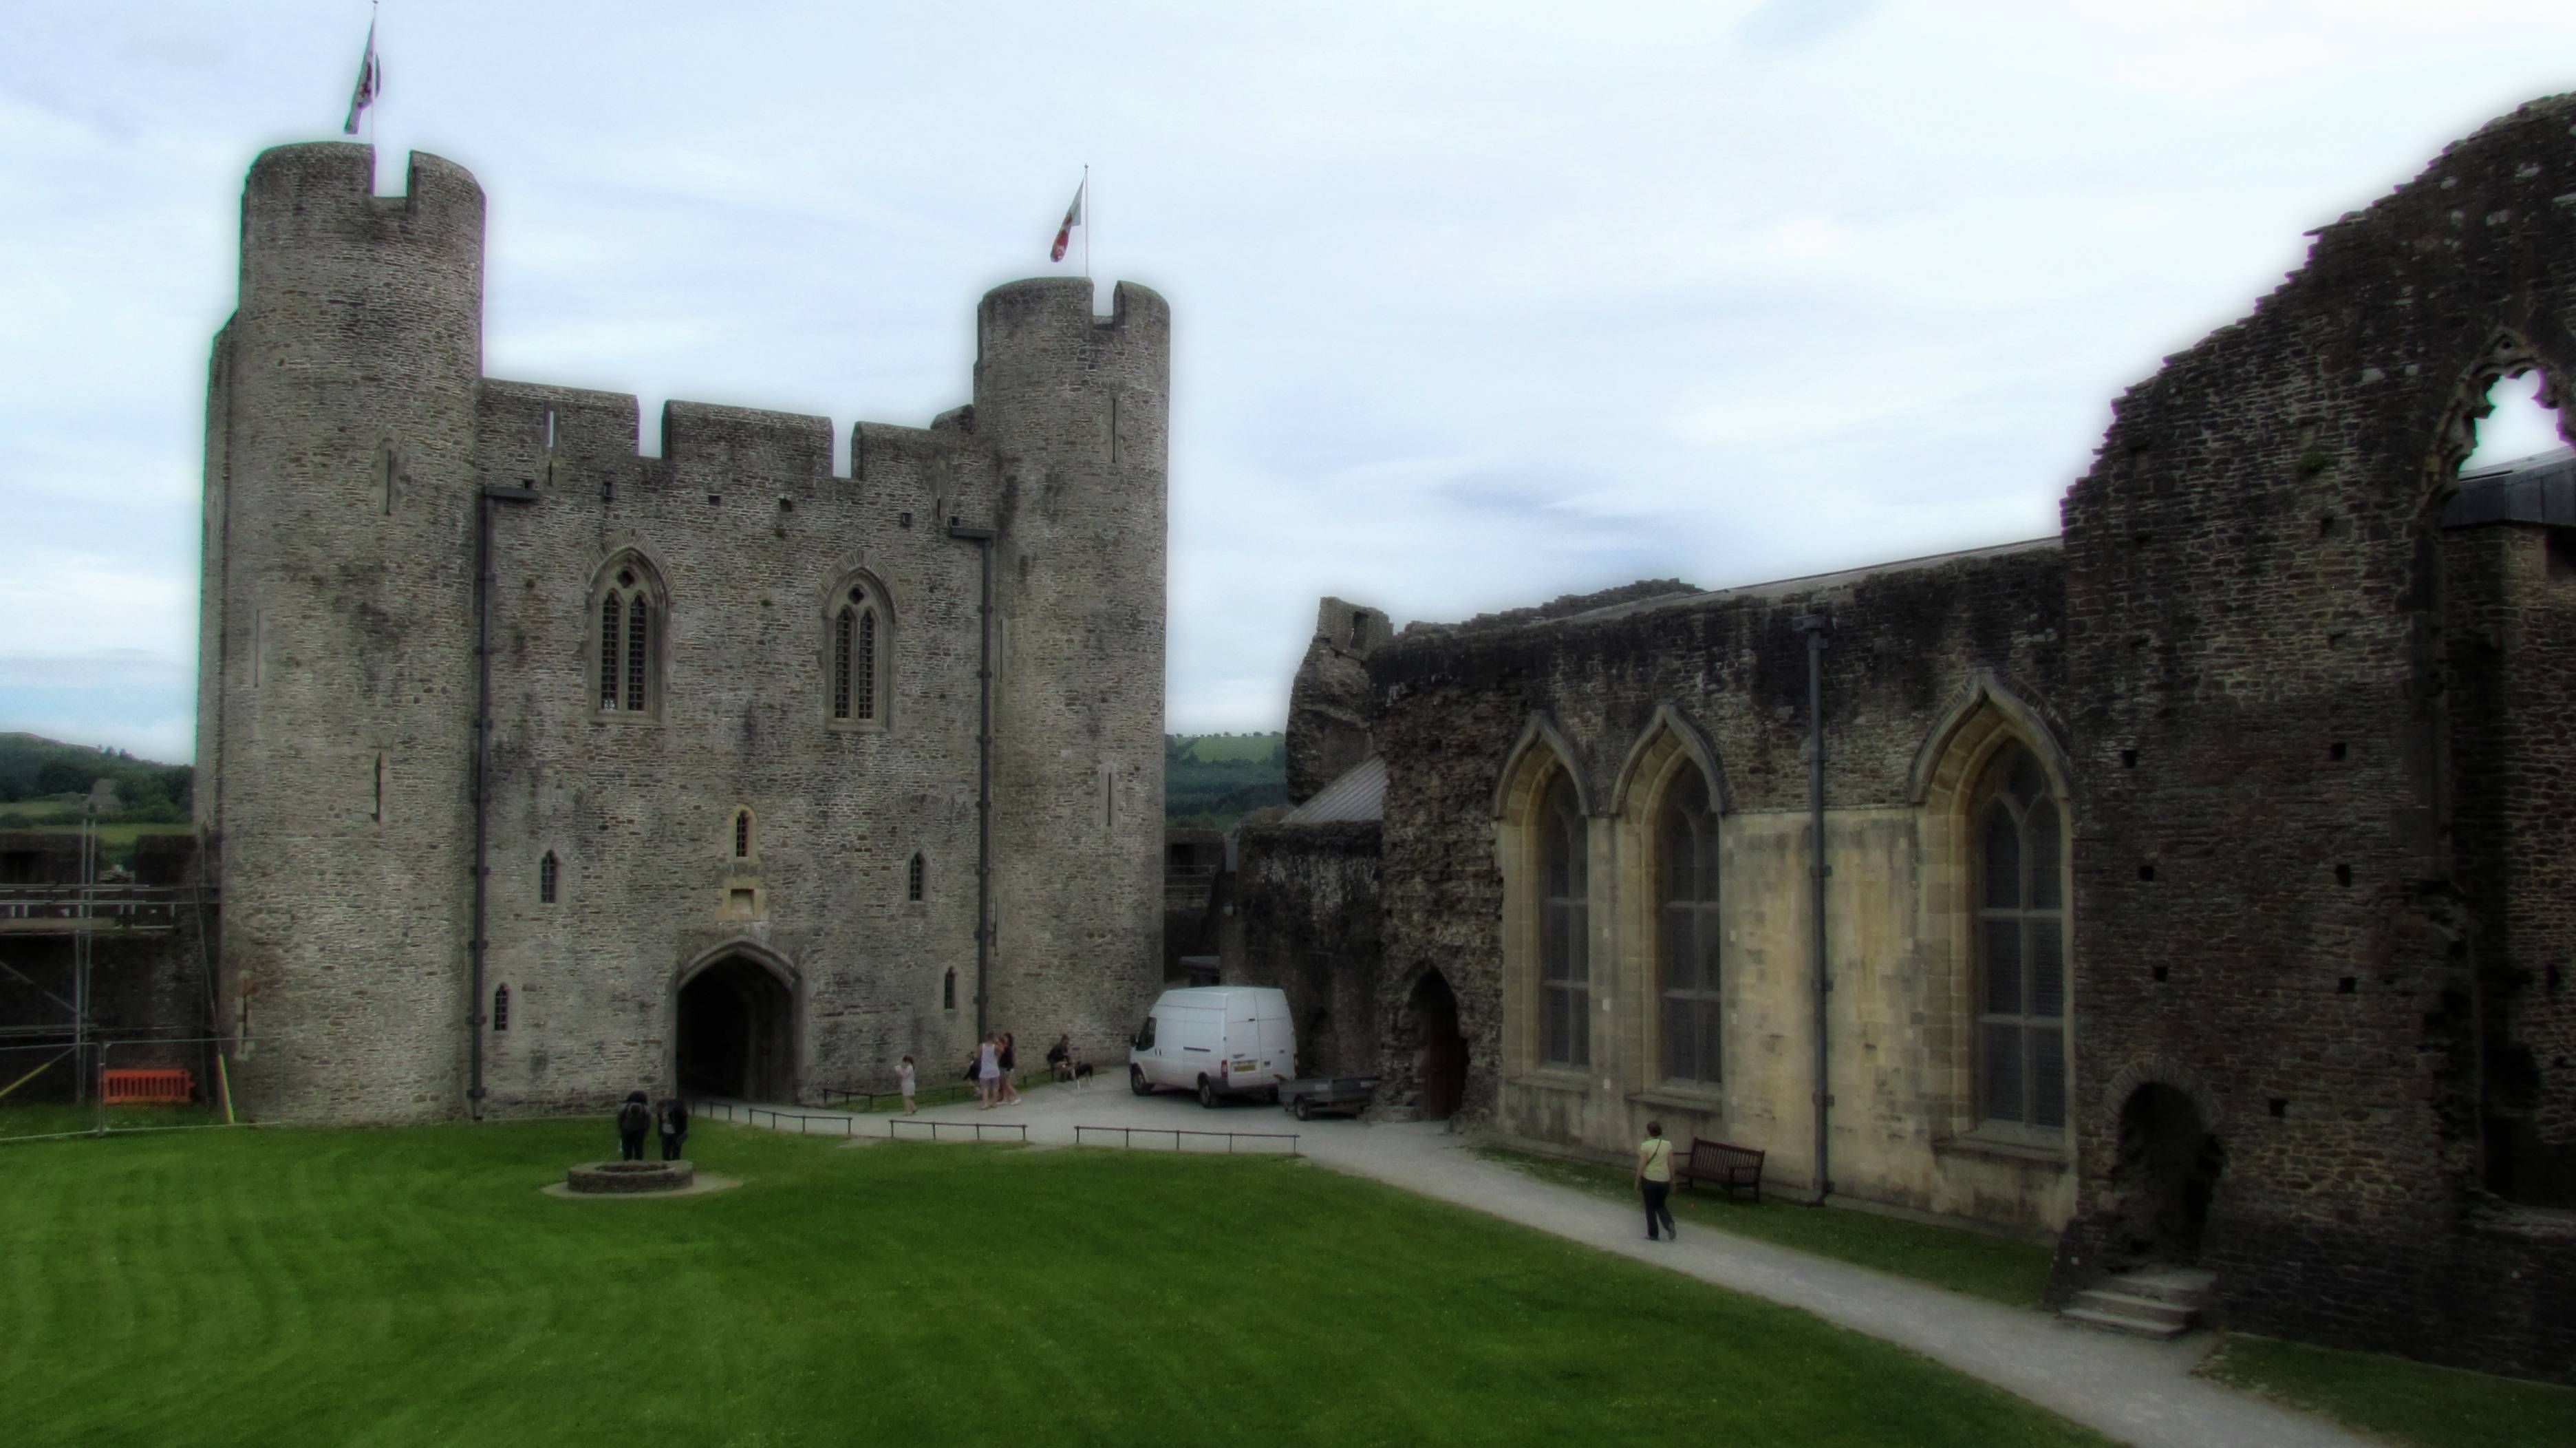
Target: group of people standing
(640, 1115)
(995, 1070)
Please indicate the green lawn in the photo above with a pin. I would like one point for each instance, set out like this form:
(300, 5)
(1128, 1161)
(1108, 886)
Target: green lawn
(2400, 1401)
(2014, 1273)
(413, 1286)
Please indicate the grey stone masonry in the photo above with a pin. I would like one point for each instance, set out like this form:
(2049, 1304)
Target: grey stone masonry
(730, 783)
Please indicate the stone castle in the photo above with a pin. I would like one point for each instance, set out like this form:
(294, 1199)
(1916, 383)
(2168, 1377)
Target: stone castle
(2196, 887)
(536, 769)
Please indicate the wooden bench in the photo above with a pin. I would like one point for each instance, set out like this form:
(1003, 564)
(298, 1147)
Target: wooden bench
(1723, 1166)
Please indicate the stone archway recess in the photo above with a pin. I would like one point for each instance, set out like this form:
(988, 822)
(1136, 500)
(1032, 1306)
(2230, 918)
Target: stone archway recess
(734, 1031)
(1440, 1048)
(2167, 1171)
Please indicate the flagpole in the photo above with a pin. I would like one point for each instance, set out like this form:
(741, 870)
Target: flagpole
(1088, 211)
(374, 13)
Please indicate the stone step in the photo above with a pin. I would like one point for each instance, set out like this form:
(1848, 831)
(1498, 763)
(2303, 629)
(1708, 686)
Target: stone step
(2113, 1322)
(2105, 1299)
(2189, 1286)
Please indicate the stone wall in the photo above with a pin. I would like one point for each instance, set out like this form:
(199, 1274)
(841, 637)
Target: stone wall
(2281, 767)
(1627, 692)
(1328, 701)
(1306, 918)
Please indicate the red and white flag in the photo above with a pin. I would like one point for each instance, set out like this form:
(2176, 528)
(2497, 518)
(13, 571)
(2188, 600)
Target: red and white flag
(371, 81)
(1072, 219)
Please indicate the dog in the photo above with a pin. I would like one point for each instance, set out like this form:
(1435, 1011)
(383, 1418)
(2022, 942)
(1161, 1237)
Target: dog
(1081, 1071)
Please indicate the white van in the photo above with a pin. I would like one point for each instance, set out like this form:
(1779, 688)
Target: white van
(1217, 1040)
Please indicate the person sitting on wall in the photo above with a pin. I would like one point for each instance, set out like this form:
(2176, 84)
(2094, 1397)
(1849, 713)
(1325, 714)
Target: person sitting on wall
(633, 1120)
(673, 1117)
(1060, 1057)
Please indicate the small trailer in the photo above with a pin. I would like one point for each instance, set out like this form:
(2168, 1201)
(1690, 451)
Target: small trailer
(1346, 1094)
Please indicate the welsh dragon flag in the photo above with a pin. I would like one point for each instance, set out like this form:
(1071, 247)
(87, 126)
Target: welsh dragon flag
(371, 80)
(1072, 219)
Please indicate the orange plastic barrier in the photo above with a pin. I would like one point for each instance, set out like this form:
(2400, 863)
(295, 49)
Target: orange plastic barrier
(163, 1084)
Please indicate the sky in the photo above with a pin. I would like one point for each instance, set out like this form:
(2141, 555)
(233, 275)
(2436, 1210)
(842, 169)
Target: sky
(1474, 305)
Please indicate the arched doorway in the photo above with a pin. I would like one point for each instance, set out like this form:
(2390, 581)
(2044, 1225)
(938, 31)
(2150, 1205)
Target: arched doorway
(2166, 1173)
(1440, 1049)
(737, 1032)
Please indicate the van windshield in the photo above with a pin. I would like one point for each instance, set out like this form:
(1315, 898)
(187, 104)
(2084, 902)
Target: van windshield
(1145, 1035)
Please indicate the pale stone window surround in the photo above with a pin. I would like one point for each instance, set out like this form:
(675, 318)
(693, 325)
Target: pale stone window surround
(627, 631)
(1538, 762)
(857, 653)
(1987, 720)
(1669, 750)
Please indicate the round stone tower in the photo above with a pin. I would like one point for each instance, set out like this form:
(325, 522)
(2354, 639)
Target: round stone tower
(1077, 410)
(335, 708)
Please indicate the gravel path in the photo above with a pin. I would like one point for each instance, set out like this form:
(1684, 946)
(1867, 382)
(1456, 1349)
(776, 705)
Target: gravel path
(2134, 1391)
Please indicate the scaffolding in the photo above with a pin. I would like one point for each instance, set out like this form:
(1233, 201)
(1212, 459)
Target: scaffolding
(86, 912)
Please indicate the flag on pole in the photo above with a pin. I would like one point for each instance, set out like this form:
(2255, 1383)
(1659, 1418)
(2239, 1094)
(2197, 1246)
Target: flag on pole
(371, 80)
(1072, 219)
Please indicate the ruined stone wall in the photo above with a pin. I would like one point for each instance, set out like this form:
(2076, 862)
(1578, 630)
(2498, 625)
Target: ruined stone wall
(2273, 915)
(1913, 647)
(1328, 701)
(1306, 918)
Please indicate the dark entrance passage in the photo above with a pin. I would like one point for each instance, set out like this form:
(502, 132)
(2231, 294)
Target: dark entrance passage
(1440, 1054)
(737, 1032)
(2167, 1171)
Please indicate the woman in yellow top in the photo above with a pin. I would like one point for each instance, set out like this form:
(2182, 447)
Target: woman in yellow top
(1655, 1181)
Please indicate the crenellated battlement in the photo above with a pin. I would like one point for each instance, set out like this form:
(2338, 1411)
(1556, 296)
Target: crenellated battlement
(323, 194)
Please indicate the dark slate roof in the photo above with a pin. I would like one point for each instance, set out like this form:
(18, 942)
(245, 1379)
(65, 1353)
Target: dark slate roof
(2537, 489)
(1359, 794)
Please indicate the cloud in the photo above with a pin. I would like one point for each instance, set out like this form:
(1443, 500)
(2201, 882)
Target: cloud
(1796, 24)
(1579, 303)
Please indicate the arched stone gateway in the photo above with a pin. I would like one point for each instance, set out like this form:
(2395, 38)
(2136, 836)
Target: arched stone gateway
(2168, 1167)
(735, 1030)
(1440, 1048)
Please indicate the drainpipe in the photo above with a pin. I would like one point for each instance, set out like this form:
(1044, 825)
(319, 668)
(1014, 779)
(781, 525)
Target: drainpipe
(475, 1018)
(983, 538)
(1814, 625)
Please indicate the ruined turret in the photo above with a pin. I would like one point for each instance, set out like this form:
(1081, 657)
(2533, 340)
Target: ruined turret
(1328, 705)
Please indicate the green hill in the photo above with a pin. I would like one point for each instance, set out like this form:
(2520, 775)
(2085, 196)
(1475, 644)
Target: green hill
(1212, 780)
(35, 770)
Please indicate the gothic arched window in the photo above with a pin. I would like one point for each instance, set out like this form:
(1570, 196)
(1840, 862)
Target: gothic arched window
(857, 656)
(546, 879)
(912, 878)
(1565, 977)
(742, 835)
(2021, 944)
(1686, 930)
(629, 641)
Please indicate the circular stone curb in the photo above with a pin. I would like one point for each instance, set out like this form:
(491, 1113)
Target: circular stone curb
(631, 1176)
(702, 1186)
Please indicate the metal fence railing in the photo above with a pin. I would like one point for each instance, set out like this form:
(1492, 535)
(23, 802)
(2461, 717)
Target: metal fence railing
(92, 1086)
(1127, 1135)
(927, 1094)
(894, 1125)
(842, 1123)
